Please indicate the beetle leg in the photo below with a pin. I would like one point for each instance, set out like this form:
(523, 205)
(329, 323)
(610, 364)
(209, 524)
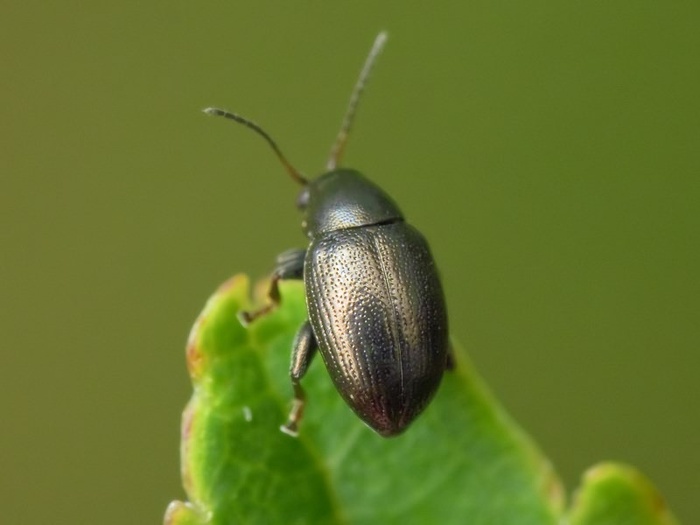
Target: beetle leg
(289, 265)
(303, 351)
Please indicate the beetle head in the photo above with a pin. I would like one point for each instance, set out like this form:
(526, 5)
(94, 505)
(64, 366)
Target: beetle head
(341, 199)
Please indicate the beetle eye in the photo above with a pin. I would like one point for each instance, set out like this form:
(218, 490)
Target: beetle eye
(303, 199)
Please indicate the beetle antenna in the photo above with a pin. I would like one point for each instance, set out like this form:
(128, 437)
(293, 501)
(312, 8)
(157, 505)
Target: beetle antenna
(342, 138)
(298, 177)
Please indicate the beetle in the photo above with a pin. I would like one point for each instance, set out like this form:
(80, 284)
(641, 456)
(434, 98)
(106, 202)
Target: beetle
(376, 307)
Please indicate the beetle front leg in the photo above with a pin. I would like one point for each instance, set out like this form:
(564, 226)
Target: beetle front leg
(303, 351)
(289, 265)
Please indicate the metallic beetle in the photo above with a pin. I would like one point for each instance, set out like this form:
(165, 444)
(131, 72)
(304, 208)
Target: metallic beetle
(376, 307)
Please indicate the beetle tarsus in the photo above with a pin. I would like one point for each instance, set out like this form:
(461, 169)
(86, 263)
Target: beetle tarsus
(290, 265)
(290, 429)
(246, 317)
(273, 294)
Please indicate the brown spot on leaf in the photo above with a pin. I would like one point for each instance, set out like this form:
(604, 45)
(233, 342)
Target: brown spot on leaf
(194, 356)
(188, 416)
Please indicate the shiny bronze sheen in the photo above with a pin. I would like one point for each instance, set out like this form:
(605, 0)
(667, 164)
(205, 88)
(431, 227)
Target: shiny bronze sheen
(376, 307)
(378, 313)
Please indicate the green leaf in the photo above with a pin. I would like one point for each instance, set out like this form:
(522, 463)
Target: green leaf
(463, 461)
(614, 494)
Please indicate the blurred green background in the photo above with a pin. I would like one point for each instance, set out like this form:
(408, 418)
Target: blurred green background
(549, 151)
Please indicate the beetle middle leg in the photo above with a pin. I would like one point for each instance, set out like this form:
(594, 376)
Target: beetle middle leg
(289, 265)
(303, 351)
